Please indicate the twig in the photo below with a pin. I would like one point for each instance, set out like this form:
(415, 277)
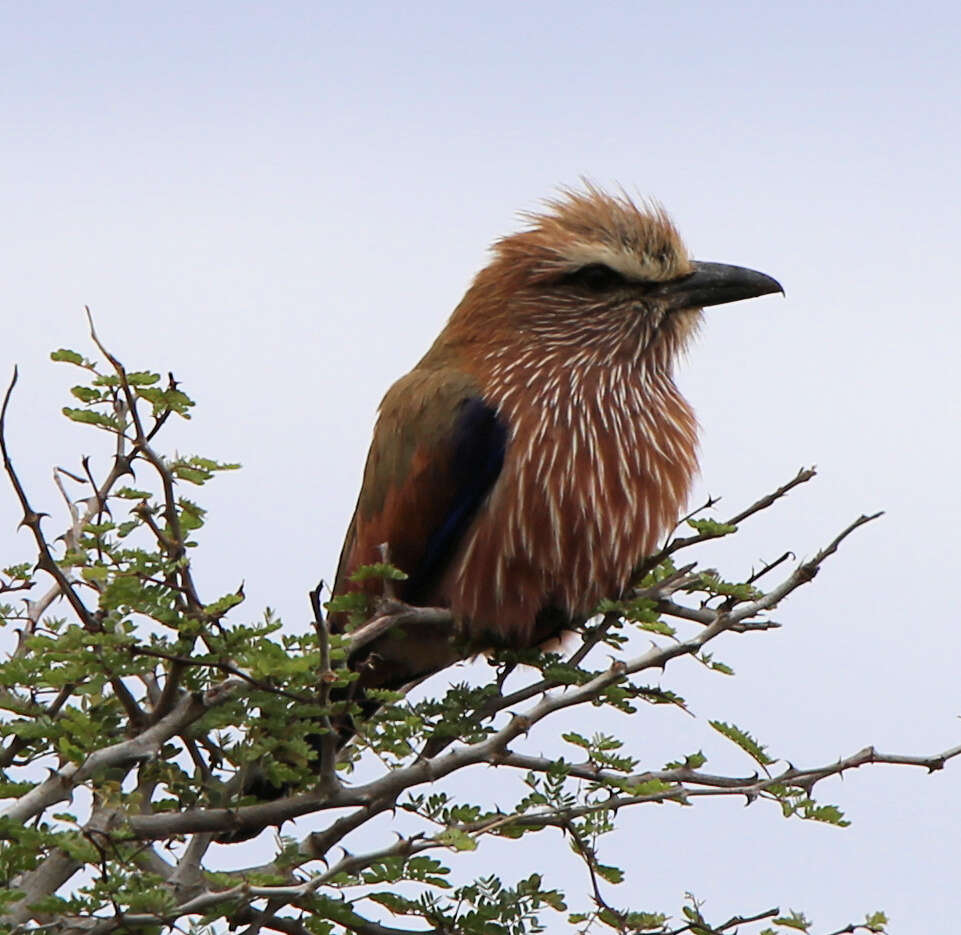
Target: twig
(768, 567)
(802, 477)
(174, 543)
(394, 614)
(162, 418)
(46, 562)
(388, 584)
(60, 784)
(587, 854)
(227, 668)
(19, 743)
(731, 923)
(328, 740)
(802, 574)
(31, 519)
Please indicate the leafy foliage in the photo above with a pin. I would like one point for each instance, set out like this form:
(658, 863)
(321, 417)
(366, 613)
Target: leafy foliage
(172, 708)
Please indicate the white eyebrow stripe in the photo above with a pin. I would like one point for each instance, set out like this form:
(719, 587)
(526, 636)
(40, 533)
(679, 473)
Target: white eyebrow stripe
(623, 261)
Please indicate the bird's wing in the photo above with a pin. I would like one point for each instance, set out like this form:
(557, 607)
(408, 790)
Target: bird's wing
(438, 448)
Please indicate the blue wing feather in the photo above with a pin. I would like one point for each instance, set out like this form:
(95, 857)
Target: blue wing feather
(478, 446)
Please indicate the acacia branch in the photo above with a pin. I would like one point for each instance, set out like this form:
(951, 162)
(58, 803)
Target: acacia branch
(804, 779)
(52, 873)
(731, 785)
(590, 638)
(36, 609)
(554, 697)
(54, 870)
(587, 854)
(17, 743)
(174, 544)
(31, 519)
(193, 891)
(684, 542)
(731, 923)
(227, 668)
(802, 574)
(395, 614)
(750, 787)
(60, 784)
(46, 562)
(328, 740)
(142, 443)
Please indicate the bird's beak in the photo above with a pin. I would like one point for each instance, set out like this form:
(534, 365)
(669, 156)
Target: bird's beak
(716, 284)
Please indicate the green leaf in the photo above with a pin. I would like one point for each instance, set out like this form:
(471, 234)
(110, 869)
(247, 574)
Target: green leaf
(608, 606)
(650, 787)
(69, 357)
(399, 905)
(657, 626)
(191, 515)
(190, 474)
(219, 607)
(380, 571)
(644, 921)
(710, 527)
(577, 740)
(351, 602)
(740, 591)
(458, 840)
(91, 417)
(828, 814)
(795, 920)
(609, 873)
(744, 740)
(142, 378)
(132, 493)
(208, 464)
(86, 394)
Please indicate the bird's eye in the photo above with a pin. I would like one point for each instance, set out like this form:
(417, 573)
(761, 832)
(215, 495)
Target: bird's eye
(595, 277)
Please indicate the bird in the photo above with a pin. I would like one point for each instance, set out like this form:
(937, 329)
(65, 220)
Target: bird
(536, 454)
(540, 450)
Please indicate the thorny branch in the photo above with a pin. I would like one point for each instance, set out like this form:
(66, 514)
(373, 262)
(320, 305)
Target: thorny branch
(31, 519)
(684, 542)
(749, 787)
(58, 787)
(726, 926)
(554, 697)
(180, 578)
(62, 586)
(169, 718)
(169, 710)
(328, 741)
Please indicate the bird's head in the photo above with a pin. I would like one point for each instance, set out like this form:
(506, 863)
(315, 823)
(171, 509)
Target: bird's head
(599, 272)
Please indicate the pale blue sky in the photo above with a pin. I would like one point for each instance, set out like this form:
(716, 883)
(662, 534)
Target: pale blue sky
(282, 204)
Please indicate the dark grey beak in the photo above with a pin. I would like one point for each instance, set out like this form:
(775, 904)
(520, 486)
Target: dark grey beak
(716, 284)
